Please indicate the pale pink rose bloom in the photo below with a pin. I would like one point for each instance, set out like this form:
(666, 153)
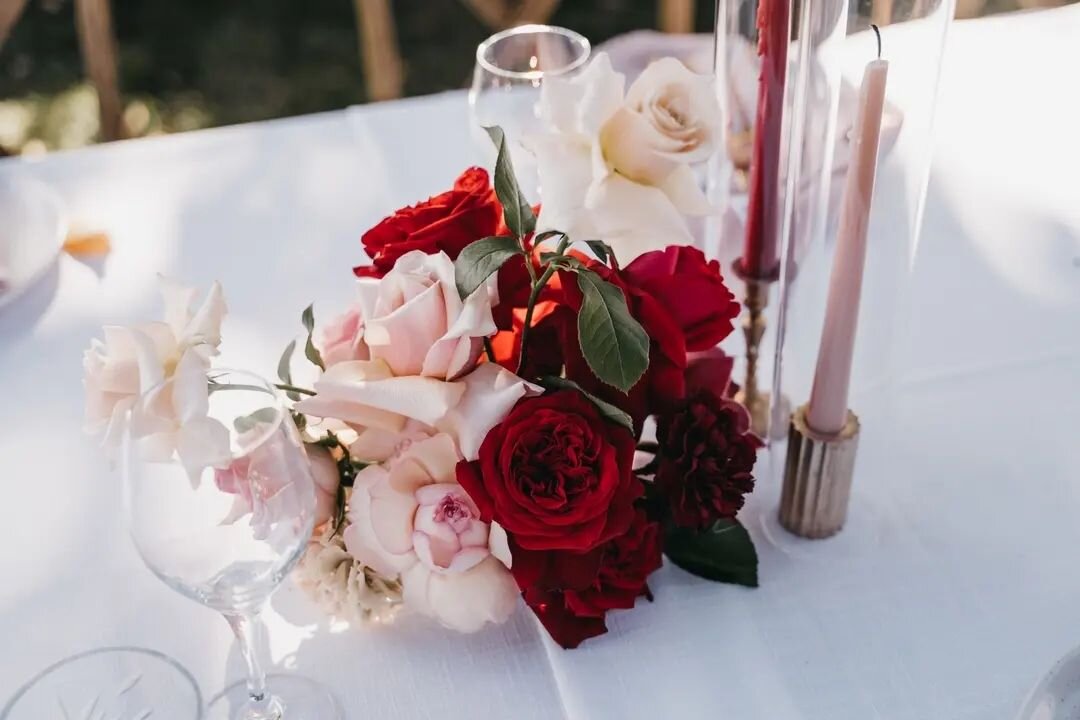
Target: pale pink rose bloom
(413, 519)
(415, 321)
(324, 470)
(264, 483)
(343, 339)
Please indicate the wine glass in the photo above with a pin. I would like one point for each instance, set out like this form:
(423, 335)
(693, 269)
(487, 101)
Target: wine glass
(510, 67)
(227, 530)
(121, 683)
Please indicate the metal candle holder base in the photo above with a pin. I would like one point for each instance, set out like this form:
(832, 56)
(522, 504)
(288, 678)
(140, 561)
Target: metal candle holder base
(817, 477)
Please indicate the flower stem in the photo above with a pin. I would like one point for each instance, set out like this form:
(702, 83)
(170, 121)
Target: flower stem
(293, 388)
(533, 296)
(489, 349)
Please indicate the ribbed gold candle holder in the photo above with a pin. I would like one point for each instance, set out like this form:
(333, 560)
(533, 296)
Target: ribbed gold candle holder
(817, 477)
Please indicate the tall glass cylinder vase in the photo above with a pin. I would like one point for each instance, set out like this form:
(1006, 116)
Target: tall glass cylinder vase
(833, 42)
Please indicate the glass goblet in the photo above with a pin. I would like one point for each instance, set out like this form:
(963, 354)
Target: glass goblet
(226, 530)
(510, 68)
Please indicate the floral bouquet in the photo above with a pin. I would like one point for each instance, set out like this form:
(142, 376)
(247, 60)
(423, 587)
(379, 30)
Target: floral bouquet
(476, 427)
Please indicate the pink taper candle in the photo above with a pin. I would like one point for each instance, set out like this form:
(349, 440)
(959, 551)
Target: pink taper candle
(828, 398)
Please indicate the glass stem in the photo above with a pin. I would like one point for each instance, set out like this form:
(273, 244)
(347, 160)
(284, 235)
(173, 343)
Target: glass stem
(251, 635)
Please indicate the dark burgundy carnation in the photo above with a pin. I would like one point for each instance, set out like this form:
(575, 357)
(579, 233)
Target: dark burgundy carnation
(446, 222)
(555, 474)
(572, 615)
(706, 459)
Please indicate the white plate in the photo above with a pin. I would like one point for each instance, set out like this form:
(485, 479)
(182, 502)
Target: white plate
(1057, 695)
(32, 232)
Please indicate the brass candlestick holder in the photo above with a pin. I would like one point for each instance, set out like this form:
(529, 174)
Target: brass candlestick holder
(817, 477)
(756, 300)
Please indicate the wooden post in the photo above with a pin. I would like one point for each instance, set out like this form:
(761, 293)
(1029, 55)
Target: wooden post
(93, 21)
(10, 12)
(383, 73)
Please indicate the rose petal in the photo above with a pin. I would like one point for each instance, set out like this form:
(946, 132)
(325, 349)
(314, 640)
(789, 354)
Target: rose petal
(466, 601)
(490, 391)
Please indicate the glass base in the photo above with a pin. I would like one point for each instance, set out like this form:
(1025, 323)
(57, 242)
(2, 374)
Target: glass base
(296, 698)
(860, 536)
(109, 682)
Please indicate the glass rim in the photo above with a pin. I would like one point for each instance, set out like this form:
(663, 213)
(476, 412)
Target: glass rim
(575, 37)
(256, 383)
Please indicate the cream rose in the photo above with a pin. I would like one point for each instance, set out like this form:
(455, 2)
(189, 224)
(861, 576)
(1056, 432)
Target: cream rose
(616, 164)
(415, 321)
(669, 120)
(413, 519)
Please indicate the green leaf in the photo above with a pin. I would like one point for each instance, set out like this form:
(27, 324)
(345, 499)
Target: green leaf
(723, 553)
(480, 259)
(310, 351)
(250, 422)
(284, 371)
(547, 234)
(609, 411)
(615, 346)
(600, 249)
(517, 212)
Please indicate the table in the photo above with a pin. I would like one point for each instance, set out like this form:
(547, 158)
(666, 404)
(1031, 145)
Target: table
(967, 594)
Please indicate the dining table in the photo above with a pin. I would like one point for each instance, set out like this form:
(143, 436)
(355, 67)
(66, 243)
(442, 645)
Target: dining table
(955, 587)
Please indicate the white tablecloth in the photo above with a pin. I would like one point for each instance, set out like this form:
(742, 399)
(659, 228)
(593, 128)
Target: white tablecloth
(961, 590)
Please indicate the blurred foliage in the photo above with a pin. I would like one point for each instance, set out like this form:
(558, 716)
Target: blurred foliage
(199, 63)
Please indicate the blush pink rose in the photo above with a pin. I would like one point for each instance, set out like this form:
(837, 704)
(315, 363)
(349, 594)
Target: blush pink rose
(343, 339)
(412, 519)
(415, 321)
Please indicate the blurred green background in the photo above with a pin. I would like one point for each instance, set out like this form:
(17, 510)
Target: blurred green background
(199, 63)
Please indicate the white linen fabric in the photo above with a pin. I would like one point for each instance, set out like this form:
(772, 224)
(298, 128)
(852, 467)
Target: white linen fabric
(953, 589)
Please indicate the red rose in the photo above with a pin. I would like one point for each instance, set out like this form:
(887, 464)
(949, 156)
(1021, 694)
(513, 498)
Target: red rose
(706, 459)
(573, 615)
(565, 628)
(446, 222)
(663, 382)
(625, 565)
(555, 474)
(691, 289)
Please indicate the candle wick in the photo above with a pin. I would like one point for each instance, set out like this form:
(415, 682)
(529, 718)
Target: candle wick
(877, 32)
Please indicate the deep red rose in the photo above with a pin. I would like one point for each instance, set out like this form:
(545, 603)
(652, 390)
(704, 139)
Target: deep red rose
(446, 222)
(625, 565)
(555, 474)
(625, 562)
(663, 383)
(706, 459)
(565, 628)
(691, 289)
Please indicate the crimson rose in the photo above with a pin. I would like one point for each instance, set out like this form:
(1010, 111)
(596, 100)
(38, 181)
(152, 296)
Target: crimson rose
(691, 289)
(573, 615)
(706, 459)
(446, 222)
(662, 384)
(555, 474)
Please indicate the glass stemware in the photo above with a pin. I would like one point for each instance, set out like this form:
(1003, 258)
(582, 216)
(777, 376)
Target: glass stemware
(510, 68)
(227, 530)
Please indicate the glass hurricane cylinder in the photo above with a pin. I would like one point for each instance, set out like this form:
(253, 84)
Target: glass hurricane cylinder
(832, 43)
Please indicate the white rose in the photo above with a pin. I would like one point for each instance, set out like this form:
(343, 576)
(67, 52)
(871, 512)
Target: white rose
(415, 321)
(132, 360)
(616, 165)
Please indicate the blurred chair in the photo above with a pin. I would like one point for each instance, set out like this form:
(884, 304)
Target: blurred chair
(676, 16)
(97, 43)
